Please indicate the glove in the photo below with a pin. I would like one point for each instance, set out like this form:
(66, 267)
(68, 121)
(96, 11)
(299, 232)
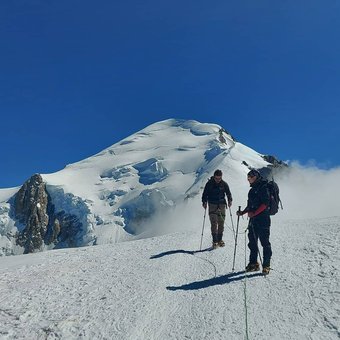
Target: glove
(230, 203)
(240, 212)
(204, 205)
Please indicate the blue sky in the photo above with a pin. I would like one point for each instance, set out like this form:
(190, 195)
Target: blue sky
(78, 76)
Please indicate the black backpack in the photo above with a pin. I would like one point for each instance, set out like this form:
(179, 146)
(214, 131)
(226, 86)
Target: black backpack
(275, 200)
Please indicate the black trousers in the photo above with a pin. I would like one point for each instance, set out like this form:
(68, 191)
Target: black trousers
(259, 228)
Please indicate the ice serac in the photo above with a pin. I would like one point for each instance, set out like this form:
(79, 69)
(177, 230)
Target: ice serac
(139, 210)
(151, 171)
(113, 195)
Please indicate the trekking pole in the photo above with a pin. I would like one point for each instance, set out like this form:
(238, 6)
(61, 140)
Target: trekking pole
(232, 222)
(205, 211)
(238, 222)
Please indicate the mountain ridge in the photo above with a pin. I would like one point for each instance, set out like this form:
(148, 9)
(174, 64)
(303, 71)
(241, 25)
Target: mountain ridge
(109, 196)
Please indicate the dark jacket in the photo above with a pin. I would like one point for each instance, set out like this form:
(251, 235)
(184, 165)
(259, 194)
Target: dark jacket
(215, 192)
(257, 195)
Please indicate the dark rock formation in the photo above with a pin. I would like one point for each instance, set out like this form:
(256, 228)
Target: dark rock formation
(40, 224)
(30, 208)
(274, 167)
(65, 230)
(225, 131)
(274, 161)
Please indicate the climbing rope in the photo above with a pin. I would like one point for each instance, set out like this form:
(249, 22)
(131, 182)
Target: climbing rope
(245, 287)
(235, 233)
(210, 262)
(226, 225)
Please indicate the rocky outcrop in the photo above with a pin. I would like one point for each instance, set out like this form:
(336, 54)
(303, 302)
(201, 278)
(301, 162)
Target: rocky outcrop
(39, 223)
(274, 161)
(30, 208)
(275, 166)
(64, 230)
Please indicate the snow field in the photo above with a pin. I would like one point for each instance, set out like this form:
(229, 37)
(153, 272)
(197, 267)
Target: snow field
(162, 288)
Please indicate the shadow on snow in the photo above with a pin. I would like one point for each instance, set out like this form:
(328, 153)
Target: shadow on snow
(221, 280)
(180, 251)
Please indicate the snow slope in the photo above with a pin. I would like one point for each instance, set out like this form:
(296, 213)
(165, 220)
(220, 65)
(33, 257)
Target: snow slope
(163, 288)
(158, 285)
(114, 193)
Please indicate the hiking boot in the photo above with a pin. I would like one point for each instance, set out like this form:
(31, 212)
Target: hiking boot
(253, 267)
(265, 270)
(215, 245)
(221, 243)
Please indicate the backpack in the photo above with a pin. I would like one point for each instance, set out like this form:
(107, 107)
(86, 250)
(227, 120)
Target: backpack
(275, 200)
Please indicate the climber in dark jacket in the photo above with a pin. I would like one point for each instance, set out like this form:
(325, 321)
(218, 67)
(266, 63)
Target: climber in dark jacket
(259, 221)
(214, 196)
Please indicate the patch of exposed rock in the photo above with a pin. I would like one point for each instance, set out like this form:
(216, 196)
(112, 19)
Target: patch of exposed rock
(30, 208)
(40, 224)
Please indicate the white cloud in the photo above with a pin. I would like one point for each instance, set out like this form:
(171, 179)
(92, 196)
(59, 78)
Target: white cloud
(309, 192)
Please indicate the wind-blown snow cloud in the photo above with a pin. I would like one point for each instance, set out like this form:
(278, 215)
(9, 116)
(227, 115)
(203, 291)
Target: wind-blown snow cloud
(306, 192)
(184, 217)
(309, 192)
(189, 217)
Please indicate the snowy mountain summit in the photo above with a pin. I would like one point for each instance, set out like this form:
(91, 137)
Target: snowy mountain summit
(112, 196)
(163, 287)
